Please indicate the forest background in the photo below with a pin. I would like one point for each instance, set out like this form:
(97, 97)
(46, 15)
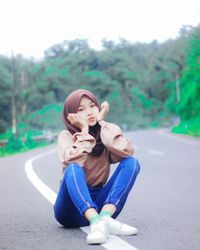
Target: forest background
(147, 85)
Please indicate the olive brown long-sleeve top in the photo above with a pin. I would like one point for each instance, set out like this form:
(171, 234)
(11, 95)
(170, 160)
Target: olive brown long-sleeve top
(78, 147)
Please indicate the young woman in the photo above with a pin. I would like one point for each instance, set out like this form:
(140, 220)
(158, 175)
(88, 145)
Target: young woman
(86, 149)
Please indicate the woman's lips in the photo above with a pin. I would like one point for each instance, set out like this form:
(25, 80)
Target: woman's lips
(91, 119)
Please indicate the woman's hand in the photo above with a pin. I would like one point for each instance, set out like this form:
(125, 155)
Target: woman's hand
(78, 122)
(104, 111)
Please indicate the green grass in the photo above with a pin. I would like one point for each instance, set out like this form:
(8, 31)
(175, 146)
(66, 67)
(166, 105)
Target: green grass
(35, 124)
(189, 127)
(21, 143)
(5, 151)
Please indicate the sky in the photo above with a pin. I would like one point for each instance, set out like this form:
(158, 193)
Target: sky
(30, 27)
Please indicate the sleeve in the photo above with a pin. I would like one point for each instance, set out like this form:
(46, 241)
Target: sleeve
(74, 148)
(119, 146)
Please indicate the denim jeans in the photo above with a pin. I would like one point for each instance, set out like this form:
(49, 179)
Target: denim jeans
(75, 196)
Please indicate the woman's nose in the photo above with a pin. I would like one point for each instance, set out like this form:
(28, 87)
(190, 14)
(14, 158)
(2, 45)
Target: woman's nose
(89, 111)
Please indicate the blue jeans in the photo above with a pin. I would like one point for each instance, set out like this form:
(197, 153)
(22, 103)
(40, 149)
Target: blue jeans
(75, 196)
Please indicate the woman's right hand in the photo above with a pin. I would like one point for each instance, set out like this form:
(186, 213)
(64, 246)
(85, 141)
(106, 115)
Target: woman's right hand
(78, 122)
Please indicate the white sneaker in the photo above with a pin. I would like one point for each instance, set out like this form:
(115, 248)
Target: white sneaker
(98, 233)
(118, 228)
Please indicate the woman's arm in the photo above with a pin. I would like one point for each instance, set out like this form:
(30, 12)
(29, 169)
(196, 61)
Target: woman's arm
(113, 139)
(74, 148)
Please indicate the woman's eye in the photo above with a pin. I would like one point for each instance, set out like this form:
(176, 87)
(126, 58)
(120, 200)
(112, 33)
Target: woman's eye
(80, 110)
(93, 105)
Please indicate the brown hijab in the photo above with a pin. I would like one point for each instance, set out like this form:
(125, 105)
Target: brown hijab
(71, 106)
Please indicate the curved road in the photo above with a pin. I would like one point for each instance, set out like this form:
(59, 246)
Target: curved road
(164, 204)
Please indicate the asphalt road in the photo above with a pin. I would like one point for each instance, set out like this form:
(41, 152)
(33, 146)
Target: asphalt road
(164, 203)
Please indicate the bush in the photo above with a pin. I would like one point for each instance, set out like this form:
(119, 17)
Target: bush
(14, 144)
(190, 127)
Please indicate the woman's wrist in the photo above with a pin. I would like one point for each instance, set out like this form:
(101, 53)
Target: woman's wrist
(85, 129)
(101, 121)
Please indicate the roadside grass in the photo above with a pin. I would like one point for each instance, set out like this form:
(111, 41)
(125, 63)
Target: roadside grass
(189, 127)
(7, 151)
(38, 130)
(21, 143)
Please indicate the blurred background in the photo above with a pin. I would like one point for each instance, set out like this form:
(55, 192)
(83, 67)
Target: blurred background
(142, 57)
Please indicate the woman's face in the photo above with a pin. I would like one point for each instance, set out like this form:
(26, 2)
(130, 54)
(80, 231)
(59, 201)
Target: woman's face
(88, 111)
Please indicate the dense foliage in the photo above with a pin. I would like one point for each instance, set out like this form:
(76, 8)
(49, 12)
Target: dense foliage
(189, 107)
(145, 84)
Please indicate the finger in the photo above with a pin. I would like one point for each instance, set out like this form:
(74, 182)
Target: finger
(108, 106)
(69, 118)
(72, 116)
(103, 105)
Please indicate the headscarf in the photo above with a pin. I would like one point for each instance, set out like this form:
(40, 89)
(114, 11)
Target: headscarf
(71, 105)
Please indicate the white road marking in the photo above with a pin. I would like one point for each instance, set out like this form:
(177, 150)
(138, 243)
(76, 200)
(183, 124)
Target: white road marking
(47, 192)
(155, 152)
(173, 137)
(113, 242)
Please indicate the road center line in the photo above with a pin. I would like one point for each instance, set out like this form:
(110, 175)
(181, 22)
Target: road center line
(155, 152)
(113, 242)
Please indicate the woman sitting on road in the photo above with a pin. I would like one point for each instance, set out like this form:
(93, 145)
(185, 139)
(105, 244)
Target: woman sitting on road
(86, 149)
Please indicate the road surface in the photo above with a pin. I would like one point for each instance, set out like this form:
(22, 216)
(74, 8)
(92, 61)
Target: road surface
(164, 203)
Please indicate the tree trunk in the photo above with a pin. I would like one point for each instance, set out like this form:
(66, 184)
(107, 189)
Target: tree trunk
(13, 100)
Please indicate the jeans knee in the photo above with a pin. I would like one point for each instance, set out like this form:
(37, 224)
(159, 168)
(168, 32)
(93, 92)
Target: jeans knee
(70, 168)
(133, 163)
(136, 165)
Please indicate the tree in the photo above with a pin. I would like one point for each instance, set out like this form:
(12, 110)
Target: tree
(5, 93)
(190, 81)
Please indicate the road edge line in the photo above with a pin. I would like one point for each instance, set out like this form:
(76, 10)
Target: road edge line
(176, 138)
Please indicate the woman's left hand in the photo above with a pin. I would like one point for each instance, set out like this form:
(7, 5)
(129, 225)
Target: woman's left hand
(104, 111)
